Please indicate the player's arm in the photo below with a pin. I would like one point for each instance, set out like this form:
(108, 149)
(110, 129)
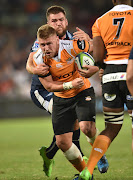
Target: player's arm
(40, 69)
(130, 73)
(89, 71)
(29, 65)
(98, 51)
(81, 35)
(101, 71)
(56, 86)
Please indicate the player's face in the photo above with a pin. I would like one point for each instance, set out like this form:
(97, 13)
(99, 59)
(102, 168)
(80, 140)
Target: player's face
(59, 23)
(50, 46)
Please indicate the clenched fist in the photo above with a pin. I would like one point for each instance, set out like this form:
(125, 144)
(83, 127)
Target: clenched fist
(77, 83)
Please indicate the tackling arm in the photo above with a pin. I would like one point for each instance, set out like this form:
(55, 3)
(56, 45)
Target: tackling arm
(29, 65)
(40, 69)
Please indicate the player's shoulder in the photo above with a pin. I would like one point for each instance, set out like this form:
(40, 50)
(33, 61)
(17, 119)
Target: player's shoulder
(118, 10)
(35, 46)
(38, 56)
(122, 8)
(69, 36)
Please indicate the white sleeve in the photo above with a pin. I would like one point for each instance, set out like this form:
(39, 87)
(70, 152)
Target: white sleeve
(38, 57)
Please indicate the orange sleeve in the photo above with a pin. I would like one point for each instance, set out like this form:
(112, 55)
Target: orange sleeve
(31, 57)
(84, 47)
(35, 64)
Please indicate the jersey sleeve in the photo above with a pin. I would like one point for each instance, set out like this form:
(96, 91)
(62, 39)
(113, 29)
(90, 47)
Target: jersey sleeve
(95, 29)
(80, 46)
(131, 54)
(38, 57)
(35, 46)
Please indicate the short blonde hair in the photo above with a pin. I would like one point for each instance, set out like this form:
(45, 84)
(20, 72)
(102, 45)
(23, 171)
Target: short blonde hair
(45, 31)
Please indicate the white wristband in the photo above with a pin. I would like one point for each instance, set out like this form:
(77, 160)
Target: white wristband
(67, 85)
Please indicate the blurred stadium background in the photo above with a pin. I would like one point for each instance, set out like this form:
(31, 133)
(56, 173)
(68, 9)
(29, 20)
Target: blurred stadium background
(19, 22)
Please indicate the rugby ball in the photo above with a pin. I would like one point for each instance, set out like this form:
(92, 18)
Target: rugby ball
(82, 59)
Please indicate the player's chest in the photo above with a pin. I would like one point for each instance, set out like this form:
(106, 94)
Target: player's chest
(62, 69)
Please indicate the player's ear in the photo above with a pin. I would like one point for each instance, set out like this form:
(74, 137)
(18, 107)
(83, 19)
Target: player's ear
(57, 37)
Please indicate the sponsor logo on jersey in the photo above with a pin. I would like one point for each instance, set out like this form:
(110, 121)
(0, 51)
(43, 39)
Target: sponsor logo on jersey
(64, 43)
(59, 65)
(69, 60)
(81, 44)
(114, 77)
(119, 13)
(122, 76)
(64, 75)
(36, 44)
(109, 97)
(119, 43)
(38, 55)
(129, 97)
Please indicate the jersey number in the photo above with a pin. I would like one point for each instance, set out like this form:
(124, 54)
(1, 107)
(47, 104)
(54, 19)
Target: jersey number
(115, 22)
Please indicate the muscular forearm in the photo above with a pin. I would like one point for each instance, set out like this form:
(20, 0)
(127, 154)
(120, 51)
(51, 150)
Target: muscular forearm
(98, 50)
(30, 69)
(56, 86)
(52, 86)
(90, 71)
(29, 65)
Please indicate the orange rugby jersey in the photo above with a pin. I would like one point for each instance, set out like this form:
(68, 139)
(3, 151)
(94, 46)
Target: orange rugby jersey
(116, 29)
(62, 67)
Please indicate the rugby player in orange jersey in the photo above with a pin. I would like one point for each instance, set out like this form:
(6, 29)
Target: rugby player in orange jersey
(112, 33)
(56, 17)
(73, 95)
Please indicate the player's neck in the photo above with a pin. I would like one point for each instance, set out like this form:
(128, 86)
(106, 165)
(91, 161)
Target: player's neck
(126, 2)
(63, 37)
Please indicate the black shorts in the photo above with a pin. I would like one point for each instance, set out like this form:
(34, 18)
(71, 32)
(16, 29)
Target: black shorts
(115, 92)
(67, 110)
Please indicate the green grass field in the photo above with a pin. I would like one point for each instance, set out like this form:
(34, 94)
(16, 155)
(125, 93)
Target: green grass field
(20, 140)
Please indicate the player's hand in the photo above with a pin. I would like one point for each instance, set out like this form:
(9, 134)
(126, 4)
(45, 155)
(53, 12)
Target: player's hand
(41, 69)
(77, 83)
(101, 71)
(88, 71)
(81, 35)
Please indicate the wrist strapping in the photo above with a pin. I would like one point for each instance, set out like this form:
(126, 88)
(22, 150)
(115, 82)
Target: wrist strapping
(67, 85)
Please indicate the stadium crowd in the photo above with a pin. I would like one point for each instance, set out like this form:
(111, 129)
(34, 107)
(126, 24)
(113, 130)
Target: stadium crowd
(19, 22)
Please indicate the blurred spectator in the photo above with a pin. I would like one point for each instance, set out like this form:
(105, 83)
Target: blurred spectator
(32, 6)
